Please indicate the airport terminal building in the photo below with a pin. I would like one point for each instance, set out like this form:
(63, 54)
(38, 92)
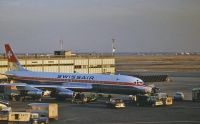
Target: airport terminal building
(65, 64)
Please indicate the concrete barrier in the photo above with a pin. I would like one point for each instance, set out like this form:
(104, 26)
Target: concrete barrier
(153, 78)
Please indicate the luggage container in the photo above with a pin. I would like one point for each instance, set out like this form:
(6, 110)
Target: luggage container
(168, 101)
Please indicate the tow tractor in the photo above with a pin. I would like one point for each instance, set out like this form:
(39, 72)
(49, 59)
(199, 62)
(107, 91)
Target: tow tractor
(82, 98)
(157, 99)
(146, 100)
(115, 103)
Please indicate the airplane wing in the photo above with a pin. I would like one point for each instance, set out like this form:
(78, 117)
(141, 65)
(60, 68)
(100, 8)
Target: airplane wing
(73, 86)
(21, 90)
(66, 89)
(38, 90)
(56, 91)
(21, 86)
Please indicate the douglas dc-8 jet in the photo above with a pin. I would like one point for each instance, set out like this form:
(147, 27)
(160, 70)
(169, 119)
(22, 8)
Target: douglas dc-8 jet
(68, 83)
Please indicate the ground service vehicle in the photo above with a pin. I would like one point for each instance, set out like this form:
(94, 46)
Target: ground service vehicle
(147, 100)
(156, 99)
(34, 118)
(179, 96)
(39, 118)
(115, 103)
(91, 98)
(51, 109)
(4, 117)
(167, 100)
(81, 98)
(196, 94)
(20, 118)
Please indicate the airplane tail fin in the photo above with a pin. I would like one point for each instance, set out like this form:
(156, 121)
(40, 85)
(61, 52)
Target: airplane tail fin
(12, 59)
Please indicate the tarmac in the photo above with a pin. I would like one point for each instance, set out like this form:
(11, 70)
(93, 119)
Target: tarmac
(183, 112)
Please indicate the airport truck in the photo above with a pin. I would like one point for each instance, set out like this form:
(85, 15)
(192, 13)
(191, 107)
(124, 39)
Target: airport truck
(147, 100)
(39, 118)
(19, 118)
(51, 109)
(196, 94)
(158, 99)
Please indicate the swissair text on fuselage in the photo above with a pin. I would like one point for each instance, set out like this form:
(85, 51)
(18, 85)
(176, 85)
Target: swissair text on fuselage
(76, 77)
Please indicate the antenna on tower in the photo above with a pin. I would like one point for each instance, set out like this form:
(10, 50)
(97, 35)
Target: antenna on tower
(113, 47)
(61, 45)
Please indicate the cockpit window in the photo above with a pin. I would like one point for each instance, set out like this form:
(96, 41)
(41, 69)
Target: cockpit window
(138, 82)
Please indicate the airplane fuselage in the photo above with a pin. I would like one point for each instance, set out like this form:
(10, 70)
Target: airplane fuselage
(119, 84)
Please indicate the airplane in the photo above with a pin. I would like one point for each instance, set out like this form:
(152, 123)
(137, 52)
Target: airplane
(68, 83)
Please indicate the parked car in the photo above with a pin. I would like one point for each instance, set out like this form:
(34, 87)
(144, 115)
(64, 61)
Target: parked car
(179, 96)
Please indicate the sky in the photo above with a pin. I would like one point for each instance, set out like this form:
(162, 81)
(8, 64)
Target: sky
(37, 26)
